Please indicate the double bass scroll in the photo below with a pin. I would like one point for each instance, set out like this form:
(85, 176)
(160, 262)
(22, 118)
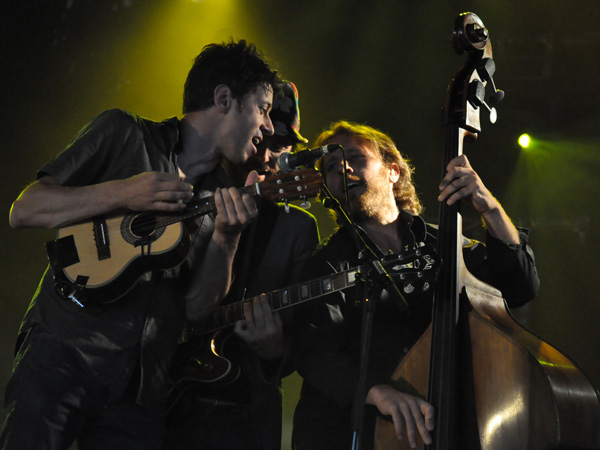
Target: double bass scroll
(494, 384)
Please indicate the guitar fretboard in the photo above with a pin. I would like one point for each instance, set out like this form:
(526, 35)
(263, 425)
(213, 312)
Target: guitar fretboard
(227, 315)
(197, 208)
(419, 265)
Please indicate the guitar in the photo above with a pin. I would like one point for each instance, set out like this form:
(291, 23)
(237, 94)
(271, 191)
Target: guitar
(101, 259)
(209, 365)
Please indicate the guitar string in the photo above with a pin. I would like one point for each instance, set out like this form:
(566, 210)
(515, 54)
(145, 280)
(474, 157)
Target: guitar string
(226, 315)
(207, 204)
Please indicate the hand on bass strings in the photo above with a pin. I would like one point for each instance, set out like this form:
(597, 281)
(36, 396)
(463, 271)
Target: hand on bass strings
(407, 411)
(462, 182)
(261, 329)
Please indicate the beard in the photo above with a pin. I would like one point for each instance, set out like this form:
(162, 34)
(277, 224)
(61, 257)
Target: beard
(377, 202)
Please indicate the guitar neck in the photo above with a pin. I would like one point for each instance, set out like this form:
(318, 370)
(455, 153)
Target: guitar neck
(282, 187)
(418, 265)
(197, 208)
(228, 315)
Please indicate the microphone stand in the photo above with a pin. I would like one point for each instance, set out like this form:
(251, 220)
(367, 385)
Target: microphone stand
(380, 279)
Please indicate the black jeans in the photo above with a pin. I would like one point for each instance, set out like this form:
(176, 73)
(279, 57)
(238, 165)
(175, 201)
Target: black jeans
(51, 401)
(198, 424)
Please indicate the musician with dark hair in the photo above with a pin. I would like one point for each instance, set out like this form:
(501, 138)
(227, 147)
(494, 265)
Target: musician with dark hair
(96, 371)
(384, 206)
(241, 407)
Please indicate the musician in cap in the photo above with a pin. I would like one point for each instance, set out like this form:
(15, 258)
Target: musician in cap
(286, 136)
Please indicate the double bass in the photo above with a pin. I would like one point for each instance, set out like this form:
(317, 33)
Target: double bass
(494, 384)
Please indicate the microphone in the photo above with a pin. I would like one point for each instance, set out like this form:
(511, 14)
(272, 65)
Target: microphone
(290, 161)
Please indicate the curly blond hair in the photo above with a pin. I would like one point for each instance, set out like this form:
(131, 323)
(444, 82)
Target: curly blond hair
(404, 189)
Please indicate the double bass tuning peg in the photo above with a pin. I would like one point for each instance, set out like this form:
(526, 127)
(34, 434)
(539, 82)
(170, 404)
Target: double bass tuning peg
(476, 32)
(486, 70)
(476, 97)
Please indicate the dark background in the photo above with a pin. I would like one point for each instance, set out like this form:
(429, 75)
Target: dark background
(386, 63)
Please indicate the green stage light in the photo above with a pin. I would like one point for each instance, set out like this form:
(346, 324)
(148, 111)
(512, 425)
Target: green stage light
(524, 140)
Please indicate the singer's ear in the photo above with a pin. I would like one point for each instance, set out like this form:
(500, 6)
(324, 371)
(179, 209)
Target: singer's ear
(394, 173)
(222, 98)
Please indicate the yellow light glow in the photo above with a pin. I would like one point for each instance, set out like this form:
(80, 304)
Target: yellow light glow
(150, 59)
(524, 140)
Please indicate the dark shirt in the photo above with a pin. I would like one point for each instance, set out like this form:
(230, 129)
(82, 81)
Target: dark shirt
(247, 413)
(327, 336)
(137, 334)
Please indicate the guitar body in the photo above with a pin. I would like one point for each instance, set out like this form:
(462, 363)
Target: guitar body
(202, 361)
(514, 390)
(101, 259)
(206, 360)
(109, 269)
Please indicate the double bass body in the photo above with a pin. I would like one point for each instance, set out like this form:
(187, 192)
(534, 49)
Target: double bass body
(514, 390)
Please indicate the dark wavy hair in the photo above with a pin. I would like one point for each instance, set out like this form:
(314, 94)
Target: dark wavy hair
(404, 189)
(238, 65)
